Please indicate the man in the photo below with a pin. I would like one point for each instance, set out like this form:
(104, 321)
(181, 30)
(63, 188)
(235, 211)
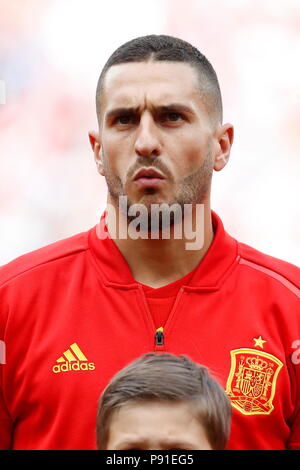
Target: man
(191, 408)
(77, 311)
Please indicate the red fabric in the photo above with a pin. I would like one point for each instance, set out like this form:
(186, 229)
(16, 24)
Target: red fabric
(161, 300)
(81, 290)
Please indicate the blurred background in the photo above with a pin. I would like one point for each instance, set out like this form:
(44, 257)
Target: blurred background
(51, 54)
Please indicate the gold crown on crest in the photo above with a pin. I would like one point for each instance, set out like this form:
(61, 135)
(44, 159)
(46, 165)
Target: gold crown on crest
(256, 363)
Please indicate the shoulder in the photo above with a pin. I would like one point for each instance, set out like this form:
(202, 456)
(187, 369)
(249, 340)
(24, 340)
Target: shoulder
(287, 274)
(44, 257)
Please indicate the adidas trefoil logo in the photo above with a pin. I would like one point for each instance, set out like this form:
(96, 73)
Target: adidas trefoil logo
(73, 359)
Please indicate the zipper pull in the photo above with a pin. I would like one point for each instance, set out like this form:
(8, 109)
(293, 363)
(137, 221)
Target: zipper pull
(159, 337)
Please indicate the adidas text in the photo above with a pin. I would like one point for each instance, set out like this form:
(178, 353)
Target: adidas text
(67, 366)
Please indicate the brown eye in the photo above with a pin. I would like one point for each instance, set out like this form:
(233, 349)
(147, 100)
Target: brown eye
(125, 119)
(172, 116)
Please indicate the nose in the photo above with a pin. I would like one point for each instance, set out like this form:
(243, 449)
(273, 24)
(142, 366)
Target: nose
(147, 142)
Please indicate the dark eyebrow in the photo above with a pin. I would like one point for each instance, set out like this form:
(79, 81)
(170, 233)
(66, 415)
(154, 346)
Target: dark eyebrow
(173, 107)
(119, 111)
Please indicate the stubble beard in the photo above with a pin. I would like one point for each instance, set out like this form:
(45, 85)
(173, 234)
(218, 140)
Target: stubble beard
(192, 190)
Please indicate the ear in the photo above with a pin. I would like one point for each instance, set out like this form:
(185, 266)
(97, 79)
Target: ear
(96, 147)
(225, 139)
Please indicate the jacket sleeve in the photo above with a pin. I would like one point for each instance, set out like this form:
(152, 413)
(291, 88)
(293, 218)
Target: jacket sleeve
(6, 425)
(294, 361)
(294, 440)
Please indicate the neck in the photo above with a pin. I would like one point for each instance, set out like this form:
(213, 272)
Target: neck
(164, 260)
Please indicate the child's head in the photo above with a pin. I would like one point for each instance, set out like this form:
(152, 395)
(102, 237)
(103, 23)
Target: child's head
(162, 401)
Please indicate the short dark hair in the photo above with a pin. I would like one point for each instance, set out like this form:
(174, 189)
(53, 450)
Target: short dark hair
(173, 378)
(170, 49)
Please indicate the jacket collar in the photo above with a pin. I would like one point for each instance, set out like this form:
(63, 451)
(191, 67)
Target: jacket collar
(219, 260)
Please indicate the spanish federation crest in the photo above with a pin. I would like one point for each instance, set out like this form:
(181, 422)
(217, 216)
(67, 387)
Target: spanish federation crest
(252, 380)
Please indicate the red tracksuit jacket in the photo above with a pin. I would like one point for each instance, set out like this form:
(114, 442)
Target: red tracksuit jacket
(72, 315)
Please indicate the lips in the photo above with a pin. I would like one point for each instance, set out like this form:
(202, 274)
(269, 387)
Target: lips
(148, 173)
(147, 178)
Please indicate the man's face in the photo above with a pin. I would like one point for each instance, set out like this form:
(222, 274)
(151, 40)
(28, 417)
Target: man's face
(156, 425)
(153, 117)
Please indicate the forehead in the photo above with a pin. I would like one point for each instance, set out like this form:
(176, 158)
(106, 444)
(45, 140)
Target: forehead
(136, 83)
(137, 422)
